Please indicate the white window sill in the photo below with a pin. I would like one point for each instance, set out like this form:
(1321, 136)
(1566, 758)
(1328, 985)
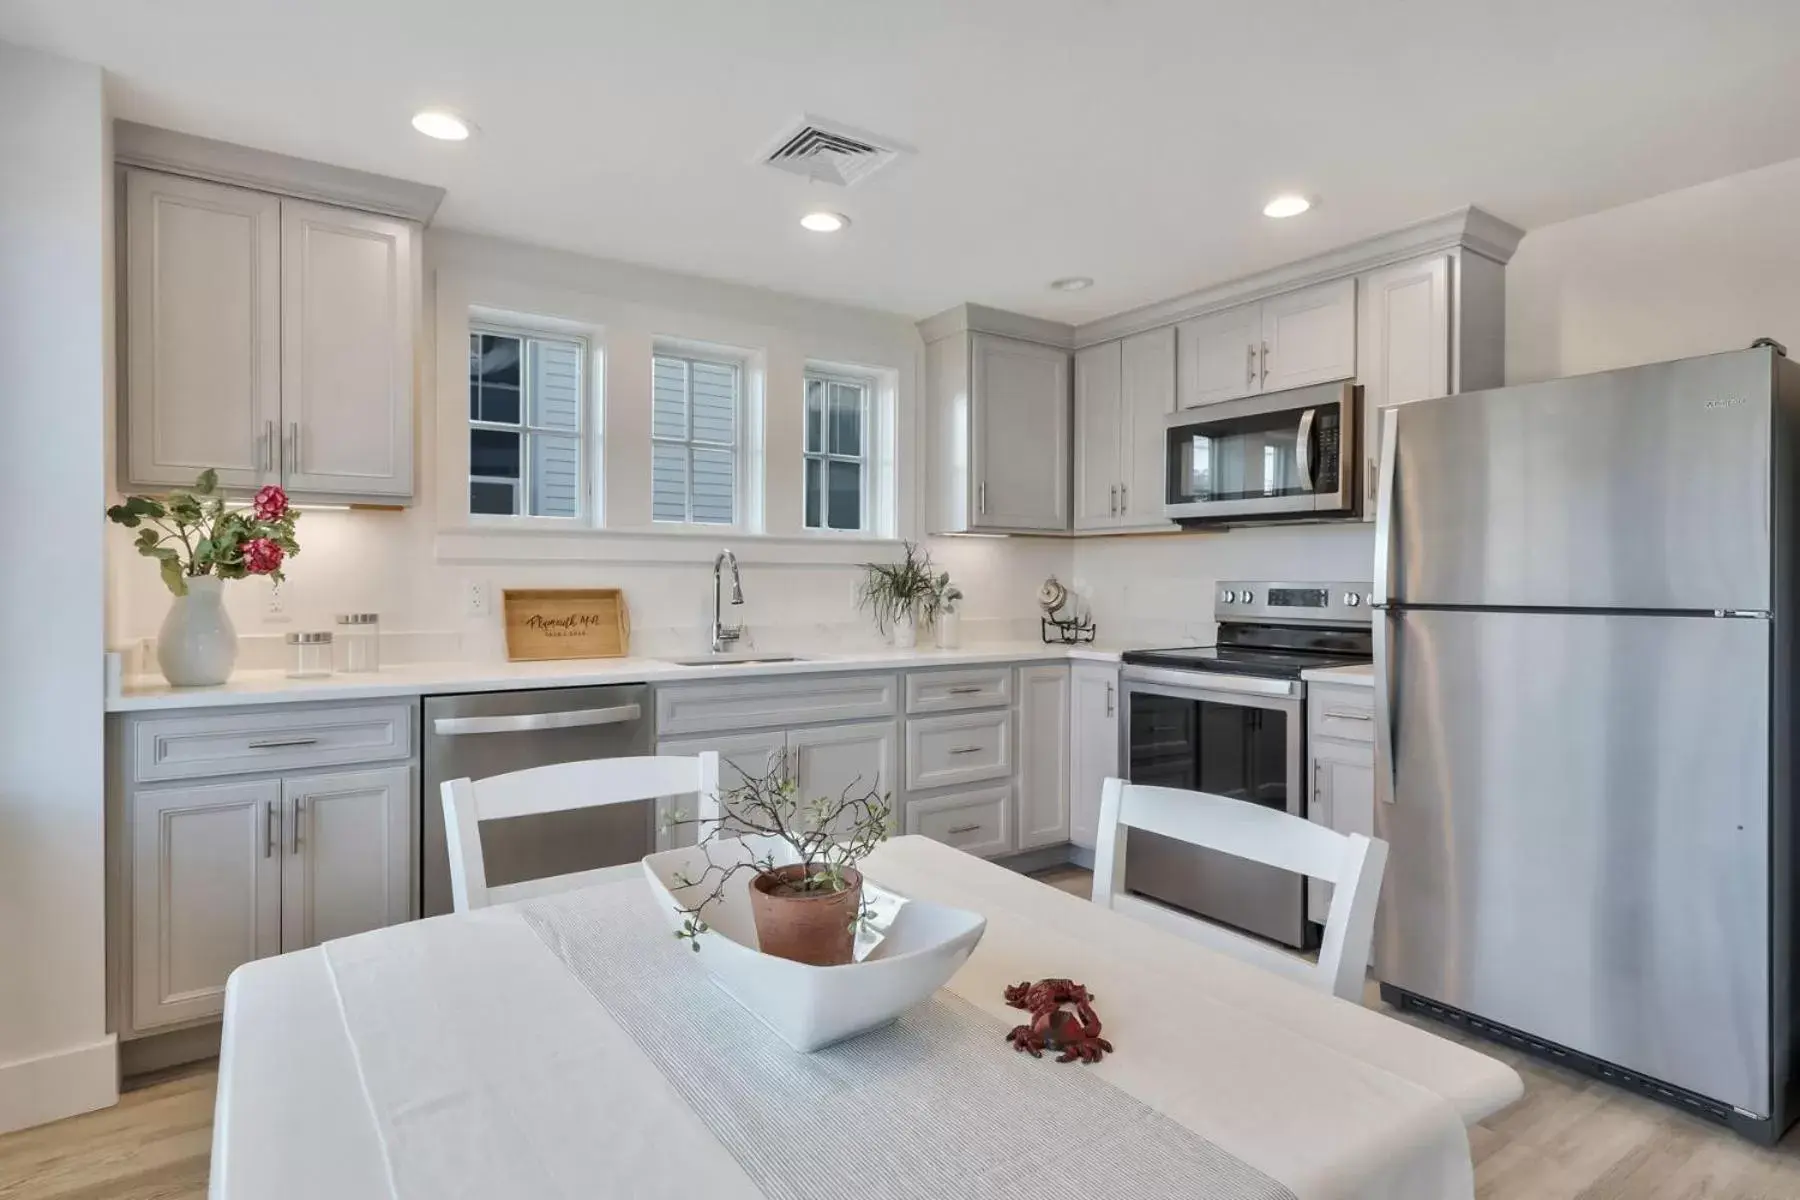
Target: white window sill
(517, 542)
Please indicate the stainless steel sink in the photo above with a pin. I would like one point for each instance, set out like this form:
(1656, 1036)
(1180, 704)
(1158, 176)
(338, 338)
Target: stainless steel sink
(735, 660)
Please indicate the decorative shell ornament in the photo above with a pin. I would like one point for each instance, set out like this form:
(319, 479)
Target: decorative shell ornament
(1052, 597)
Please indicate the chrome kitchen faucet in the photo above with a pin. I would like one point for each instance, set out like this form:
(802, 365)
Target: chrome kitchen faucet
(724, 635)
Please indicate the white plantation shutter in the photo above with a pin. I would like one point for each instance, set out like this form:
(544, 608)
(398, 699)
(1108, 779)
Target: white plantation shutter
(694, 417)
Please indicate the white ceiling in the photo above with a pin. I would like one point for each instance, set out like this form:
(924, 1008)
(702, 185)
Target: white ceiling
(1131, 140)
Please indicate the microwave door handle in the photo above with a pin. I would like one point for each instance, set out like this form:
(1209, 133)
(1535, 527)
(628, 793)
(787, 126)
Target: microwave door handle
(1303, 446)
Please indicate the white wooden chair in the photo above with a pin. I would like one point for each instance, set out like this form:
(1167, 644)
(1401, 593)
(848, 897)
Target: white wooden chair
(1351, 862)
(559, 788)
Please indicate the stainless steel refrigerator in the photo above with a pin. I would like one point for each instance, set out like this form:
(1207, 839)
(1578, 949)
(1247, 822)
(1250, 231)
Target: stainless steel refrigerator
(1585, 673)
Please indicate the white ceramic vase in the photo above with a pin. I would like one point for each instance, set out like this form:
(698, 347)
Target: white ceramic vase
(906, 630)
(949, 630)
(197, 645)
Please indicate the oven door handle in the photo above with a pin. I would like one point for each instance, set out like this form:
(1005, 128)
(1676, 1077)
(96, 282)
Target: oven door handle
(1303, 446)
(1190, 683)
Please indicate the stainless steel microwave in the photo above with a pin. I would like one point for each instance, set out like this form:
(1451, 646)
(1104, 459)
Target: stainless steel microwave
(1283, 456)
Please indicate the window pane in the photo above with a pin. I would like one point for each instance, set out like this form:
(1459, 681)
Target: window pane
(493, 453)
(846, 419)
(668, 398)
(715, 487)
(845, 505)
(715, 403)
(499, 404)
(555, 374)
(555, 475)
(499, 360)
(815, 415)
(668, 483)
(814, 491)
(492, 498)
(474, 376)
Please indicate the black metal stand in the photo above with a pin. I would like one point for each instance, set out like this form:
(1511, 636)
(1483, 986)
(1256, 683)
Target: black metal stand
(1066, 633)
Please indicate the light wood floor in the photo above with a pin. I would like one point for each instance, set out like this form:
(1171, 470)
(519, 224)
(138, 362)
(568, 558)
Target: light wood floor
(1570, 1138)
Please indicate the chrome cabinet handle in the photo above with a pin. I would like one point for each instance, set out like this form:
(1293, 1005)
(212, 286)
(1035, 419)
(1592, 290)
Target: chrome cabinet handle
(299, 815)
(1316, 765)
(1124, 507)
(1265, 362)
(279, 743)
(530, 722)
(968, 690)
(964, 829)
(1373, 473)
(291, 458)
(1250, 365)
(1341, 714)
(966, 750)
(1109, 699)
(265, 448)
(1113, 493)
(271, 830)
(981, 498)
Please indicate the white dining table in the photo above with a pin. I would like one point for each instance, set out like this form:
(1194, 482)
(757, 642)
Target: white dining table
(1332, 1100)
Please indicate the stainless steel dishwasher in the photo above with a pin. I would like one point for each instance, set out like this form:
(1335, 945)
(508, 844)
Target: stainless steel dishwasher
(490, 733)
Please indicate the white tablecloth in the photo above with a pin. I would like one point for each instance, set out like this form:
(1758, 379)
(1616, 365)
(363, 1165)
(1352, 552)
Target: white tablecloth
(1332, 1100)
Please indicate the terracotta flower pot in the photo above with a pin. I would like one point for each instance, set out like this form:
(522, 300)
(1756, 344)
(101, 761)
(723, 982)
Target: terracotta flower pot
(806, 927)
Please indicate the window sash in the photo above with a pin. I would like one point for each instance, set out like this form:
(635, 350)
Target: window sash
(528, 430)
(691, 443)
(824, 456)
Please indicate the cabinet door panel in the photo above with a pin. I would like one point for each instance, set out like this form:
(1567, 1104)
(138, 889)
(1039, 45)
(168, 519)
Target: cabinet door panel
(1310, 336)
(347, 865)
(1043, 756)
(206, 895)
(1218, 356)
(1343, 799)
(1098, 421)
(202, 384)
(1403, 338)
(347, 305)
(1148, 387)
(1020, 464)
(739, 755)
(826, 762)
(1093, 746)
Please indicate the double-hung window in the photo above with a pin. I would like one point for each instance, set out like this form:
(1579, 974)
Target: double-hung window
(526, 415)
(837, 452)
(695, 422)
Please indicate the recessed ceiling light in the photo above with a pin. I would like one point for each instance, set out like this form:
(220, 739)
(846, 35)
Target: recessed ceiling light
(1290, 205)
(1073, 283)
(824, 222)
(445, 126)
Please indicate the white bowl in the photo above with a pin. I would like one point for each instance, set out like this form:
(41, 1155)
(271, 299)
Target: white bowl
(918, 947)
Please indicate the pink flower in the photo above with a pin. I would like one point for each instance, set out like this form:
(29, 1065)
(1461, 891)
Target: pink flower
(270, 504)
(261, 555)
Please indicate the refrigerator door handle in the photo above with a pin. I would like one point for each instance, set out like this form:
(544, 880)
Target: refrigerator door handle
(1385, 773)
(1384, 514)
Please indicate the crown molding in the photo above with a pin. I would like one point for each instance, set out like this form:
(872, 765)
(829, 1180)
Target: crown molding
(978, 318)
(224, 162)
(1470, 230)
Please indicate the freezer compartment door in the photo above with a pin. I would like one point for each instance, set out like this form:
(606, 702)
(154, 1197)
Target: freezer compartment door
(1641, 489)
(1578, 816)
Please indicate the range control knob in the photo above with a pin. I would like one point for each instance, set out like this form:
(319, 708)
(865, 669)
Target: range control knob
(1228, 596)
(1247, 596)
(1352, 599)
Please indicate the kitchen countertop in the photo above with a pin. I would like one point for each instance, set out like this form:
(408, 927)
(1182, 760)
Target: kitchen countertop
(150, 693)
(1360, 675)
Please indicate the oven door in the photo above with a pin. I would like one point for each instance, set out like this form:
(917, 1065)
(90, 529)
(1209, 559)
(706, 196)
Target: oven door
(1289, 454)
(1230, 735)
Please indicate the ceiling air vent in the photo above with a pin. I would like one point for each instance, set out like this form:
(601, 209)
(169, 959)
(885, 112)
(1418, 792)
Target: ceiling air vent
(831, 153)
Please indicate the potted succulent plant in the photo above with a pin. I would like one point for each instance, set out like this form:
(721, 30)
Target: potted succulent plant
(940, 609)
(895, 593)
(198, 543)
(807, 910)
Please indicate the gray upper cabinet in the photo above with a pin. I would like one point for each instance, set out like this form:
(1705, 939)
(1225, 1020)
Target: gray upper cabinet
(1220, 355)
(1099, 422)
(1124, 392)
(999, 453)
(1289, 340)
(270, 338)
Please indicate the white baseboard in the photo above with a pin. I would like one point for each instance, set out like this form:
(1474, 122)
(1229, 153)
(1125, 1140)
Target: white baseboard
(53, 1086)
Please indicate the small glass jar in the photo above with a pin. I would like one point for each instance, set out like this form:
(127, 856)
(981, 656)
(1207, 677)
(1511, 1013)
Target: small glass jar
(359, 642)
(309, 655)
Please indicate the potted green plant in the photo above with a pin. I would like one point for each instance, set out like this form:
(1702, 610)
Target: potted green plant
(806, 910)
(894, 594)
(198, 543)
(940, 609)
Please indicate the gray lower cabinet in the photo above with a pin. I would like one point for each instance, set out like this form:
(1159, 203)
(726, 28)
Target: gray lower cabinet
(1341, 754)
(211, 873)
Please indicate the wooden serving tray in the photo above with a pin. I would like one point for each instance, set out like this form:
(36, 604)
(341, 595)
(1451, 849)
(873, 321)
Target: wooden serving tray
(552, 623)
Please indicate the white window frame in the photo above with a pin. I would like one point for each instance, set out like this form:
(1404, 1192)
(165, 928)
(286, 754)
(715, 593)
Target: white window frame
(588, 446)
(690, 354)
(864, 457)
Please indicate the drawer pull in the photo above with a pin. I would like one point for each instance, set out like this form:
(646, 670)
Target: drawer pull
(1338, 714)
(282, 743)
(966, 750)
(966, 690)
(965, 829)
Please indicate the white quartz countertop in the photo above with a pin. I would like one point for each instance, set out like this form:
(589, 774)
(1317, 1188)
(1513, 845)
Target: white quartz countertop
(1360, 675)
(150, 693)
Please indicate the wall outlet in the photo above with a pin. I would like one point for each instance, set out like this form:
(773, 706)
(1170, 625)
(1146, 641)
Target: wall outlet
(276, 609)
(476, 599)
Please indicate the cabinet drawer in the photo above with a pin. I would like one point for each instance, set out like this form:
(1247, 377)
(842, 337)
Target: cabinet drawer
(978, 822)
(1344, 713)
(269, 740)
(965, 748)
(951, 691)
(758, 703)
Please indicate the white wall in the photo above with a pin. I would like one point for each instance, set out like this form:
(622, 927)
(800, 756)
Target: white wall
(55, 291)
(1697, 271)
(412, 566)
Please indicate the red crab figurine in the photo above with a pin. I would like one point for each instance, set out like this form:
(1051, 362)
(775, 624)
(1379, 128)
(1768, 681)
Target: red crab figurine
(1054, 1027)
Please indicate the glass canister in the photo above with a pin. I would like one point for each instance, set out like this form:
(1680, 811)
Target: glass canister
(309, 655)
(359, 642)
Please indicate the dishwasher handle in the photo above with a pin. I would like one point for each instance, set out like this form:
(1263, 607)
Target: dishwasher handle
(531, 722)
